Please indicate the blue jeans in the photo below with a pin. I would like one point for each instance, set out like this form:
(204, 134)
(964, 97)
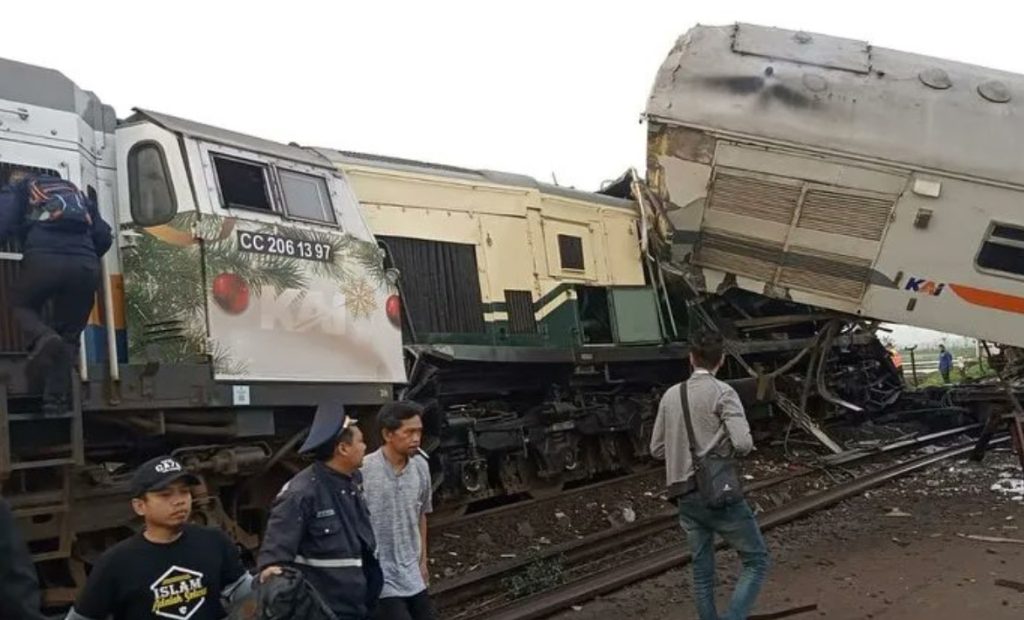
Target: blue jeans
(737, 526)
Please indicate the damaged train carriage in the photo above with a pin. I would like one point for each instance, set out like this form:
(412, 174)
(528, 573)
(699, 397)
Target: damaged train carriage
(792, 167)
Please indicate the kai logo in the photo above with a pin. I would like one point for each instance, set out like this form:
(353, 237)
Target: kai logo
(178, 593)
(925, 287)
(166, 466)
(303, 311)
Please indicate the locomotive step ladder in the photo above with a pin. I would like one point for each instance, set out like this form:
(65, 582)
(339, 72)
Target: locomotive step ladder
(38, 454)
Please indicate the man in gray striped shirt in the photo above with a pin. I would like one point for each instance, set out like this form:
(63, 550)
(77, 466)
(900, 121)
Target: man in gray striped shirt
(719, 424)
(396, 480)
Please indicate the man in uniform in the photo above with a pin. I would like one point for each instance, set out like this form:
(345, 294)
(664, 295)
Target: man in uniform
(320, 525)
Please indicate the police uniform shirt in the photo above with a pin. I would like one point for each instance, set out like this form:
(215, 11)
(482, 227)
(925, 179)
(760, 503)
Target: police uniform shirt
(182, 580)
(320, 524)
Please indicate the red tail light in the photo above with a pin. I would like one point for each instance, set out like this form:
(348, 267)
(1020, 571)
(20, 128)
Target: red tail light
(393, 307)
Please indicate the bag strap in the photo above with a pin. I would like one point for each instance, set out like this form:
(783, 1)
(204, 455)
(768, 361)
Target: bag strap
(684, 400)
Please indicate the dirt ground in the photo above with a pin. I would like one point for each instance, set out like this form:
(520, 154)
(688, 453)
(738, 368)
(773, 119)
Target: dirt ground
(900, 551)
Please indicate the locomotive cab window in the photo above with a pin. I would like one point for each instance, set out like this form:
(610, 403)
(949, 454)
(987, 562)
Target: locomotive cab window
(570, 249)
(306, 196)
(243, 184)
(1003, 250)
(151, 198)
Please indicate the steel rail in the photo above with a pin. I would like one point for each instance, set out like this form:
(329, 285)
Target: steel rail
(620, 576)
(459, 590)
(447, 522)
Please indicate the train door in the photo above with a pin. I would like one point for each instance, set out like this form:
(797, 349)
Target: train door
(164, 311)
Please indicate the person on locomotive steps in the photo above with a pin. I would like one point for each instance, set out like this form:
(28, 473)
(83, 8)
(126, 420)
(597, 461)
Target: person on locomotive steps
(320, 524)
(62, 239)
(398, 494)
(719, 423)
(171, 569)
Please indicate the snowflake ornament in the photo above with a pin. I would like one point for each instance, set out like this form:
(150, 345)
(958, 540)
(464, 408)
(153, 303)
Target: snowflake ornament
(361, 298)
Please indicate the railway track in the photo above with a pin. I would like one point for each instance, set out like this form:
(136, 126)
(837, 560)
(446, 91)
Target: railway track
(483, 594)
(458, 520)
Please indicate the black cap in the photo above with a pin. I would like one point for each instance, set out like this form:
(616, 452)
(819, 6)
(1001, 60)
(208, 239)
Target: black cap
(328, 423)
(157, 474)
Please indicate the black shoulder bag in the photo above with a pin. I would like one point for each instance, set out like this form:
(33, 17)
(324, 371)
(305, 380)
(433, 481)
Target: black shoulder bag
(717, 478)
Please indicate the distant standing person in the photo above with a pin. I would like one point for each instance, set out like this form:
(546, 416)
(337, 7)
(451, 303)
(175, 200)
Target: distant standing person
(945, 363)
(398, 490)
(720, 424)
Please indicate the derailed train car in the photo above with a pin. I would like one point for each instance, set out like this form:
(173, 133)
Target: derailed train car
(541, 334)
(837, 175)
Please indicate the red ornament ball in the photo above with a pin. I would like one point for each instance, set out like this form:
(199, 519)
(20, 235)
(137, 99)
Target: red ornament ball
(393, 308)
(231, 293)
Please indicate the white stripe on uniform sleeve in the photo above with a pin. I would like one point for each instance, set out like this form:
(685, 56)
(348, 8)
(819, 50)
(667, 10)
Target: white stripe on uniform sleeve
(329, 563)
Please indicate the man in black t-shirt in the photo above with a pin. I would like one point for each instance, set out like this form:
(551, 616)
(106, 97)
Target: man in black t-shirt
(171, 570)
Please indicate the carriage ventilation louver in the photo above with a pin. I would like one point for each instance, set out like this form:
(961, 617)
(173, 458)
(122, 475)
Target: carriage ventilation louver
(844, 214)
(828, 210)
(764, 200)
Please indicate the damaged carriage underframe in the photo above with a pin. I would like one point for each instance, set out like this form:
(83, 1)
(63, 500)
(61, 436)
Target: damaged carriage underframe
(531, 427)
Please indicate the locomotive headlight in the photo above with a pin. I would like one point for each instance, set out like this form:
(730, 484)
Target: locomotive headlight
(393, 307)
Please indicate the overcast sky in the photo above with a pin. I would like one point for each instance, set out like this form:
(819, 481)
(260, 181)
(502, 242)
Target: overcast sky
(539, 88)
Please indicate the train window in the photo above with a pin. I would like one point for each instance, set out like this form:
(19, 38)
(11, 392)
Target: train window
(306, 196)
(243, 184)
(1003, 249)
(570, 249)
(150, 192)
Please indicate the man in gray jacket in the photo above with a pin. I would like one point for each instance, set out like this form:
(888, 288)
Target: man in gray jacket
(718, 424)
